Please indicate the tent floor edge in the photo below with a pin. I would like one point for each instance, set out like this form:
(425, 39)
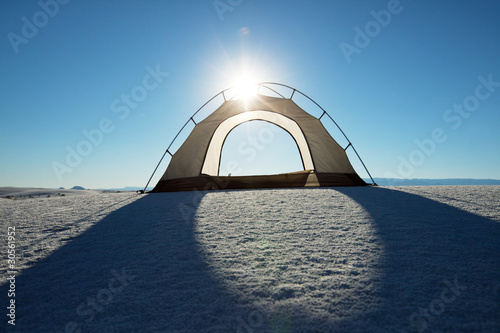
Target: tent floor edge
(286, 180)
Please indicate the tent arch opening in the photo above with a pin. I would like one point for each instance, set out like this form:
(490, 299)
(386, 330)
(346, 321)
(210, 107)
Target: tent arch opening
(259, 147)
(213, 155)
(195, 164)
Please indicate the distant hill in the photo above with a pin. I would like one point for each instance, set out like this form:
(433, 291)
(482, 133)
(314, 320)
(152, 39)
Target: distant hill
(424, 182)
(77, 188)
(128, 188)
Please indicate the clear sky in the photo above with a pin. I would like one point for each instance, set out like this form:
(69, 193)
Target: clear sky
(414, 84)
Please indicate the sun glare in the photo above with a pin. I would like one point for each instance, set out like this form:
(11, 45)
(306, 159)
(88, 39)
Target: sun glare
(246, 88)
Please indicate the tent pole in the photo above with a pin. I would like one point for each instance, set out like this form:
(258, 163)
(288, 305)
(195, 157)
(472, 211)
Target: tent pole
(171, 143)
(324, 112)
(373, 181)
(161, 159)
(274, 91)
(350, 144)
(167, 151)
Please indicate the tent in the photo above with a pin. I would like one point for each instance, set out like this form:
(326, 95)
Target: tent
(195, 165)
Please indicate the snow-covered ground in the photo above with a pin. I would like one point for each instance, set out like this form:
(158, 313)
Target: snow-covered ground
(31, 193)
(363, 259)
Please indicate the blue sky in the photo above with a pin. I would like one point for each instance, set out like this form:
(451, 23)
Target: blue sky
(390, 82)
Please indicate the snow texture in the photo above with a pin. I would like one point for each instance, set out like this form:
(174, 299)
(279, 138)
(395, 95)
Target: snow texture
(360, 259)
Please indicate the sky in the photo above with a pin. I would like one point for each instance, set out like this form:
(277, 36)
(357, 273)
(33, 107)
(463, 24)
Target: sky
(93, 92)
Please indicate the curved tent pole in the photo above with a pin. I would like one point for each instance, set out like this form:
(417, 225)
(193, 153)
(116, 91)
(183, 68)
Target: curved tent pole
(350, 144)
(260, 84)
(264, 84)
(182, 128)
(178, 133)
(324, 112)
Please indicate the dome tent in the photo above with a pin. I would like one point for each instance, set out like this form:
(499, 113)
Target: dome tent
(195, 165)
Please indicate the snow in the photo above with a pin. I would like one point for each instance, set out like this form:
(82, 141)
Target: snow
(377, 259)
(28, 192)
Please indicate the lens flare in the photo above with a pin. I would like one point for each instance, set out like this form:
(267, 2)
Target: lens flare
(246, 89)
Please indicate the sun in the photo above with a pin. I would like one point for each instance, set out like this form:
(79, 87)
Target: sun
(246, 88)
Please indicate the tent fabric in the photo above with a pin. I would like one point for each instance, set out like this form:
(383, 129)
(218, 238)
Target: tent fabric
(196, 163)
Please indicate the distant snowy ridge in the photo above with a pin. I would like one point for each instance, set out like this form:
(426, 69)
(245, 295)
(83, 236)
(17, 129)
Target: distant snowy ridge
(33, 192)
(127, 188)
(424, 182)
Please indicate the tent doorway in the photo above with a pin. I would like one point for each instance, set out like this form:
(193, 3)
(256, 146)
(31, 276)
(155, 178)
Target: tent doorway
(259, 147)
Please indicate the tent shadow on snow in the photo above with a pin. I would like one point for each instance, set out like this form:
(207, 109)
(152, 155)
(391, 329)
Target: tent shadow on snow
(141, 262)
(164, 284)
(441, 264)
